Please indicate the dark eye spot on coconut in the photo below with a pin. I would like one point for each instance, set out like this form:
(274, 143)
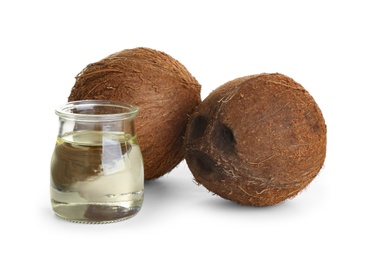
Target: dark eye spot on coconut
(223, 139)
(206, 165)
(199, 125)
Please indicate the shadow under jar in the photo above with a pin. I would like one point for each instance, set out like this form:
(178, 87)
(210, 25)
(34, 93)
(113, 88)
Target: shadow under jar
(97, 167)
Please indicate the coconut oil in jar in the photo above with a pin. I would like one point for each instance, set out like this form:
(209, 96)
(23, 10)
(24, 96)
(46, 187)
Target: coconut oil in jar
(97, 166)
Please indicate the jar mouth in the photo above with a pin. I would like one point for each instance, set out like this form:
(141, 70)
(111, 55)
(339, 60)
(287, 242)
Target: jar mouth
(97, 110)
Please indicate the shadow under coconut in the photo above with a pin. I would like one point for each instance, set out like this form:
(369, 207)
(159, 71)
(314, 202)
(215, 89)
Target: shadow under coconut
(157, 193)
(218, 203)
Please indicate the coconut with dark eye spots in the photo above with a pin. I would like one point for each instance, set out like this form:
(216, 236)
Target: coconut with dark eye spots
(256, 140)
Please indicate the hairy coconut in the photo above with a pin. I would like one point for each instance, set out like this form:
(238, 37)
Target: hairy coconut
(256, 140)
(160, 86)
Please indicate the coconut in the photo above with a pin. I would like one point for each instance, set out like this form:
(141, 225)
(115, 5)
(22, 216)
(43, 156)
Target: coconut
(256, 140)
(160, 86)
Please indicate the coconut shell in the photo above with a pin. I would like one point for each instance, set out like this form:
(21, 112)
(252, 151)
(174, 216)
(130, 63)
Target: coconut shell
(160, 86)
(256, 140)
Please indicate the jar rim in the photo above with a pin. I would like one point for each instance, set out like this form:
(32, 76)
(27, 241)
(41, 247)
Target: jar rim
(88, 110)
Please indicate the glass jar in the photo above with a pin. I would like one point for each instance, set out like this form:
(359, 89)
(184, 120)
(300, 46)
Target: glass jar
(96, 167)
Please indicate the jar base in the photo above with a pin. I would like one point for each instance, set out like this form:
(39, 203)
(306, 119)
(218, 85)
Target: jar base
(96, 213)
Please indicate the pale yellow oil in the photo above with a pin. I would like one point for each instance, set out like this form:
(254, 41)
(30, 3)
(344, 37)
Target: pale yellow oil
(96, 177)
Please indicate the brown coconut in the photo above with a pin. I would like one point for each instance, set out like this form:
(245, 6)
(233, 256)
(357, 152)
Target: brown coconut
(256, 140)
(160, 86)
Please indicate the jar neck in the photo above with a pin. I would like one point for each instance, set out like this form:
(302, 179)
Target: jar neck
(67, 126)
(97, 115)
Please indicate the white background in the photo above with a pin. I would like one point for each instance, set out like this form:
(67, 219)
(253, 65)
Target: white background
(327, 46)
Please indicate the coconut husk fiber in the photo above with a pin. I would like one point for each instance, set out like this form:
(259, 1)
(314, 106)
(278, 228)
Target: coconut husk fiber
(163, 89)
(256, 140)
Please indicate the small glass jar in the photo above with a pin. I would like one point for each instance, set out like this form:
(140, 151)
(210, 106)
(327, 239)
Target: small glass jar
(96, 167)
